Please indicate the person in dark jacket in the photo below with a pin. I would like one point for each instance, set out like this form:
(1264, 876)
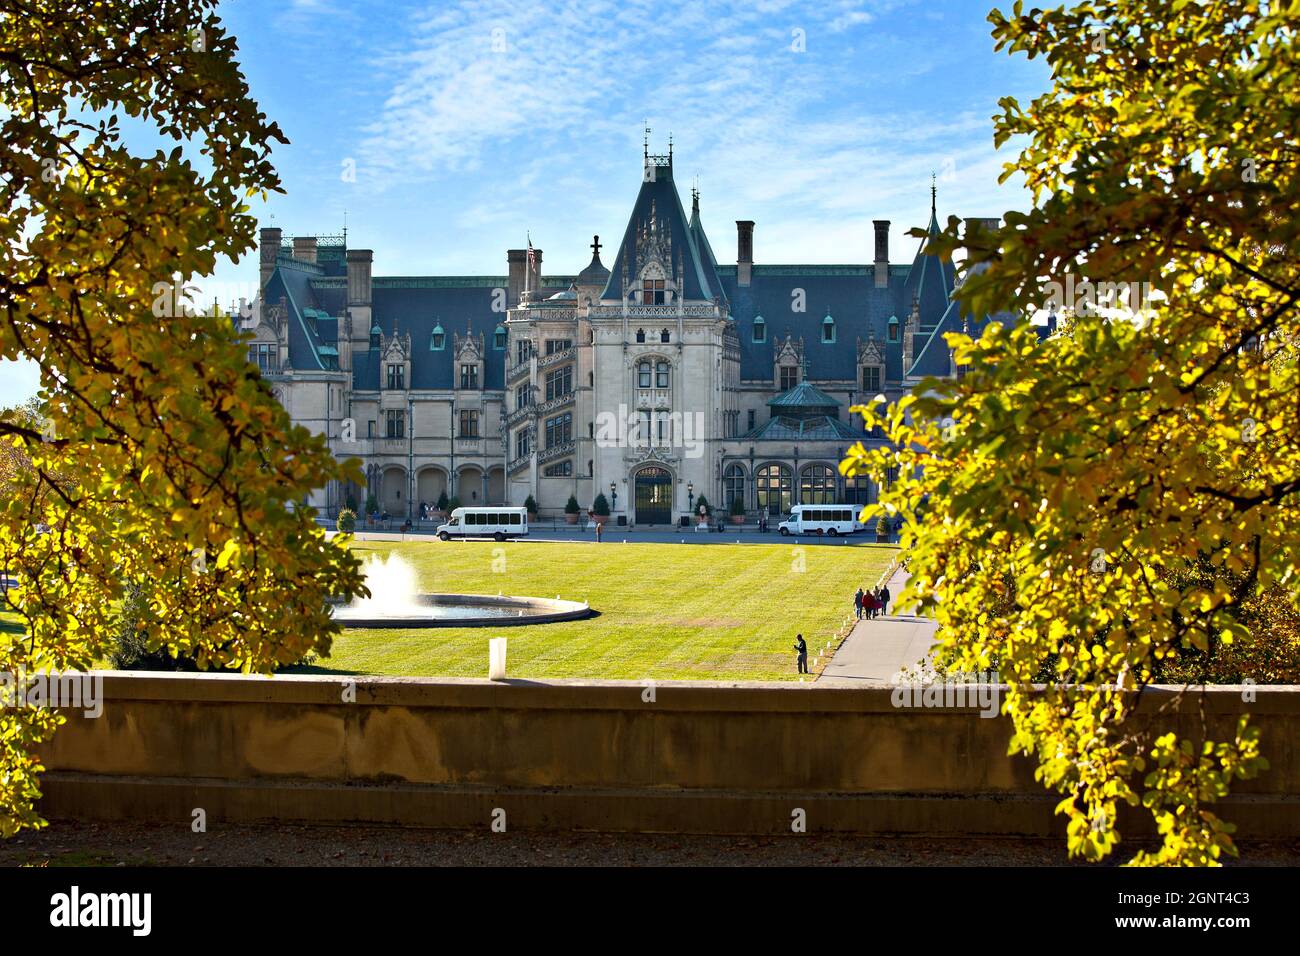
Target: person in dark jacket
(884, 599)
(857, 603)
(801, 650)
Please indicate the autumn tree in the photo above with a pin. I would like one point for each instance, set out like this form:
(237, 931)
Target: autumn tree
(1105, 504)
(165, 469)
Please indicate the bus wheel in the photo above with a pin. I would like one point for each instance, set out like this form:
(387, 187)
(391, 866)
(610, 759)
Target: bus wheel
(444, 536)
(500, 536)
(834, 533)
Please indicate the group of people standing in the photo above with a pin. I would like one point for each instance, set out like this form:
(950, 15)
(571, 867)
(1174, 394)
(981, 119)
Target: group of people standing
(871, 603)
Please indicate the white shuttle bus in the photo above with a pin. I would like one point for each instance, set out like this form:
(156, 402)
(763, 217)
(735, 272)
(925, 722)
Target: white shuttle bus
(826, 519)
(498, 523)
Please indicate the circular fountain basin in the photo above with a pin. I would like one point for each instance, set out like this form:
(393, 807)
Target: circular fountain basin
(462, 610)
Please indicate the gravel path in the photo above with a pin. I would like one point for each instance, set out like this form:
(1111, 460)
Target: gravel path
(137, 844)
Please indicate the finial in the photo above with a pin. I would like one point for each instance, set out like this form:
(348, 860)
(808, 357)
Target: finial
(645, 146)
(670, 149)
(595, 247)
(933, 193)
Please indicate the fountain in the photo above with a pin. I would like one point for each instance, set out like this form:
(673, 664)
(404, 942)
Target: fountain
(395, 601)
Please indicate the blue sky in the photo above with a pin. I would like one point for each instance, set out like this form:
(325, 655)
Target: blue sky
(472, 124)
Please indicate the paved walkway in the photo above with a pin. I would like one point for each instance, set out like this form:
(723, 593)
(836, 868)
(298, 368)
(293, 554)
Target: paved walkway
(876, 650)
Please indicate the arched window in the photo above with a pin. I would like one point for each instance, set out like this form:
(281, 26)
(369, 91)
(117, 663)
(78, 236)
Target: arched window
(773, 484)
(828, 329)
(499, 338)
(760, 330)
(817, 485)
(733, 485)
(643, 375)
(438, 340)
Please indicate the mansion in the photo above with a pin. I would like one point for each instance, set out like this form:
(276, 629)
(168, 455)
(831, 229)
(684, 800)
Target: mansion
(660, 377)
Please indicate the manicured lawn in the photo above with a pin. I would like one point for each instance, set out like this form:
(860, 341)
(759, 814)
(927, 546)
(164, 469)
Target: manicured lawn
(667, 611)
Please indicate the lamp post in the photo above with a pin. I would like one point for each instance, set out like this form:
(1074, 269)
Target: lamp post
(613, 496)
(690, 497)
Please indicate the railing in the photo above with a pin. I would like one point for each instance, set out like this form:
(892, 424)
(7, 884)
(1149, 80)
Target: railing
(653, 311)
(550, 405)
(518, 415)
(556, 451)
(518, 464)
(516, 372)
(546, 361)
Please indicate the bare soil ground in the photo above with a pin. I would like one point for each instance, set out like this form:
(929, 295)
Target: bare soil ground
(66, 843)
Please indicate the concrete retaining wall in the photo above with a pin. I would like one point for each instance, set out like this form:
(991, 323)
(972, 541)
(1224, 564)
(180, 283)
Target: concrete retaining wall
(698, 758)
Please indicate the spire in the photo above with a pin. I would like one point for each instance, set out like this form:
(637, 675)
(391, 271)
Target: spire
(934, 192)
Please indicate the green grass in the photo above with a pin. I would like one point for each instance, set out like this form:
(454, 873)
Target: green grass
(667, 611)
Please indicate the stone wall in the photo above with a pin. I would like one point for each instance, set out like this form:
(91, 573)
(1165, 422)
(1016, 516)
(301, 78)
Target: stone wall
(697, 757)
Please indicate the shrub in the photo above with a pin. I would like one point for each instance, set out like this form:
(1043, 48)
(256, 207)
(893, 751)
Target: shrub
(347, 520)
(442, 500)
(571, 506)
(601, 505)
(737, 507)
(702, 504)
(372, 504)
(531, 505)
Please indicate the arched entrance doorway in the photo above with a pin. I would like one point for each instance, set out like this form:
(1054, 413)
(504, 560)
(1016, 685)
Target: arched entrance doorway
(654, 496)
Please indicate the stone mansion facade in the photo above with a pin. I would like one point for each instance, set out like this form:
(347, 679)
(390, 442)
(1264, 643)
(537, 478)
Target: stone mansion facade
(661, 377)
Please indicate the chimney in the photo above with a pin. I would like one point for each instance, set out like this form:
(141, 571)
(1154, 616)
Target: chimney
(304, 248)
(881, 263)
(744, 250)
(268, 248)
(360, 262)
(516, 262)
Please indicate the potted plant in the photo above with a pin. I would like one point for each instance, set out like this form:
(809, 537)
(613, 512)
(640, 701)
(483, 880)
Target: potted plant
(600, 509)
(530, 504)
(572, 510)
(372, 509)
(737, 511)
(452, 504)
(882, 530)
(441, 503)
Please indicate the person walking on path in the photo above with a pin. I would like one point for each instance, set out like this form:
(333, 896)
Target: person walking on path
(857, 604)
(884, 598)
(801, 650)
(600, 529)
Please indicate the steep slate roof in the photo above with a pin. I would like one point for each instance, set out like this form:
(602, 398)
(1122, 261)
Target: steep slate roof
(657, 203)
(846, 293)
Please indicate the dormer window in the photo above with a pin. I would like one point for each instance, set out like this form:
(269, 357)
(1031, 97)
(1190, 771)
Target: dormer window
(499, 338)
(396, 375)
(375, 333)
(789, 377)
(438, 340)
(663, 336)
(828, 330)
(652, 292)
(760, 330)
(640, 336)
